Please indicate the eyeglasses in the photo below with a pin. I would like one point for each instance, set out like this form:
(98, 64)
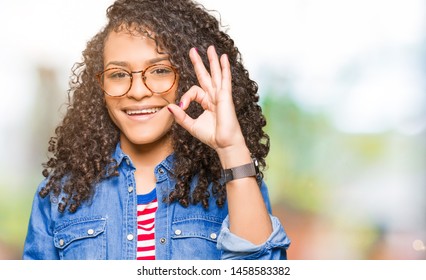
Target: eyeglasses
(117, 82)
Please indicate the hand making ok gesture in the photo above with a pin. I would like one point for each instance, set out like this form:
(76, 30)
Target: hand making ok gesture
(218, 125)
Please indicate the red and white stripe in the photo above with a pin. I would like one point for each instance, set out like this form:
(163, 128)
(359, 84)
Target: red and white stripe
(146, 231)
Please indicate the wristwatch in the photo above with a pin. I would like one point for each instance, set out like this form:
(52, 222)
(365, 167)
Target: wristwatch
(246, 170)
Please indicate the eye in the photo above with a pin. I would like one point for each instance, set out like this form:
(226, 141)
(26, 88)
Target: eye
(161, 70)
(116, 74)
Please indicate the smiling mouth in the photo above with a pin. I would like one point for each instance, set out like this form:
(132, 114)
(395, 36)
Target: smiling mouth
(142, 112)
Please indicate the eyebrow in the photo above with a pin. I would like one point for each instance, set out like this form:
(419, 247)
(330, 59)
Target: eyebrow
(125, 64)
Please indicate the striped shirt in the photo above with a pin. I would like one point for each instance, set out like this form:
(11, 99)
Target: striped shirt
(147, 205)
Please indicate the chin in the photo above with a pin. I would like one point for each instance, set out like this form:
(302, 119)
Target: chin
(146, 138)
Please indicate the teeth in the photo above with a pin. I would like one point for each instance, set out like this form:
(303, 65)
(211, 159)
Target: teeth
(143, 111)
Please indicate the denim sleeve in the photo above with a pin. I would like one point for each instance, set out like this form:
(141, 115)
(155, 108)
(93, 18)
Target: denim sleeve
(39, 240)
(275, 247)
(234, 247)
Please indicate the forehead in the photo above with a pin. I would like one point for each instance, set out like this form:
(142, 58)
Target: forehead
(128, 46)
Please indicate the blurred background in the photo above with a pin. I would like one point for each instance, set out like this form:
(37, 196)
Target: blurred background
(343, 87)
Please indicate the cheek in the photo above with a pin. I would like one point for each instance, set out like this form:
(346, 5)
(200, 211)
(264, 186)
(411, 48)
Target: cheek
(171, 97)
(110, 105)
(107, 103)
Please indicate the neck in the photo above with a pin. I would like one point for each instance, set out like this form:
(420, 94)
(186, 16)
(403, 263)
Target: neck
(147, 155)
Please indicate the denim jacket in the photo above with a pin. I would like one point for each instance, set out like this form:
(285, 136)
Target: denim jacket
(106, 226)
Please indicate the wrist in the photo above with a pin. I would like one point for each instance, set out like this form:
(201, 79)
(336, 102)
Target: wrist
(234, 156)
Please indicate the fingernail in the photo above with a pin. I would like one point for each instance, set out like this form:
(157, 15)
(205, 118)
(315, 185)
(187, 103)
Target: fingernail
(181, 104)
(170, 110)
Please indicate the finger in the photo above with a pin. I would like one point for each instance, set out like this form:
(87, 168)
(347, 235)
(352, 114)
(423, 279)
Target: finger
(215, 69)
(226, 82)
(225, 109)
(201, 72)
(182, 118)
(196, 94)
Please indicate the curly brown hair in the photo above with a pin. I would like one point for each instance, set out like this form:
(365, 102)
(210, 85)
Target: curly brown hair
(81, 151)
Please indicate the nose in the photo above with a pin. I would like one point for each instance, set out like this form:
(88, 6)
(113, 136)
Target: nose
(138, 89)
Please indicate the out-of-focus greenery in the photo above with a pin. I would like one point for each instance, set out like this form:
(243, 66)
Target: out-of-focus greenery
(15, 206)
(314, 169)
(296, 149)
(308, 154)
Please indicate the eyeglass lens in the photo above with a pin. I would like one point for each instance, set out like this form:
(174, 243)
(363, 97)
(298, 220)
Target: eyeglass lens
(157, 78)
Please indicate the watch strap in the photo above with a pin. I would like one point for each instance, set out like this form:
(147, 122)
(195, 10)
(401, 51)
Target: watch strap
(242, 171)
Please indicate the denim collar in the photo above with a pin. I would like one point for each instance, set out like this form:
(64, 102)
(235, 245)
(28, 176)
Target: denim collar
(119, 156)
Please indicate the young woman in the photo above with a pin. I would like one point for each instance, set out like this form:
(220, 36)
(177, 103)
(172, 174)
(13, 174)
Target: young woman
(159, 153)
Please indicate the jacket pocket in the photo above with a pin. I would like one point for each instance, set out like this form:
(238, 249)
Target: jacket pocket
(81, 239)
(196, 238)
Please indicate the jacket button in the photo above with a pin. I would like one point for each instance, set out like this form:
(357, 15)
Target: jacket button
(178, 232)
(90, 232)
(162, 240)
(130, 189)
(130, 237)
(127, 161)
(61, 242)
(161, 170)
(213, 236)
